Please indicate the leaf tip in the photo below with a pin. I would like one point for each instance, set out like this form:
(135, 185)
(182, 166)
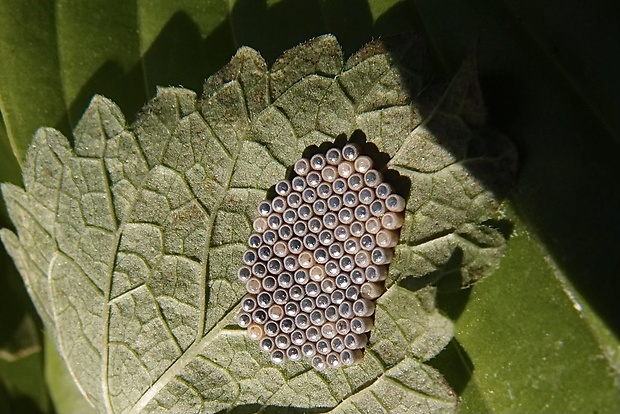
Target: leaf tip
(237, 67)
(103, 119)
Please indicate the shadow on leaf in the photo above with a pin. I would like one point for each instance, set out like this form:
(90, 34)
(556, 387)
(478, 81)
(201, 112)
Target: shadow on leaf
(454, 363)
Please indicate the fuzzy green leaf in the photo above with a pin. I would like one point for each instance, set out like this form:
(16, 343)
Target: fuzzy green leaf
(129, 239)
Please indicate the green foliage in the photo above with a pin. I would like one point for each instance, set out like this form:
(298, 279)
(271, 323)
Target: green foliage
(536, 323)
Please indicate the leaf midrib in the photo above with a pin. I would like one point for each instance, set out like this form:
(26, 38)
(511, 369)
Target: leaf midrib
(192, 351)
(186, 357)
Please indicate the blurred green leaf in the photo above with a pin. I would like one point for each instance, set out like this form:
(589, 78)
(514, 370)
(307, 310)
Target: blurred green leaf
(64, 393)
(9, 168)
(548, 75)
(22, 386)
(536, 348)
(21, 359)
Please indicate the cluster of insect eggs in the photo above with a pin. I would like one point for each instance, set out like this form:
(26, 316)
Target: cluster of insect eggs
(318, 258)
